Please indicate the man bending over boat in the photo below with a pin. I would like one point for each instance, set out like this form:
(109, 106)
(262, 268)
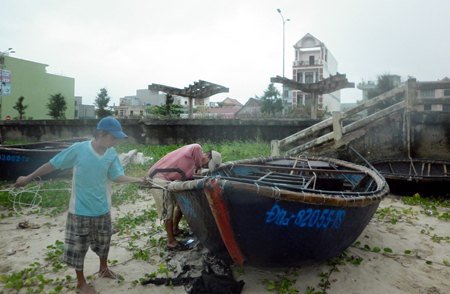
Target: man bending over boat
(189, 159)
(95, 164)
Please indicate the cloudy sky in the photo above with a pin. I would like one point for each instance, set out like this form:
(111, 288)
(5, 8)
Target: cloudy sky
(128, 45)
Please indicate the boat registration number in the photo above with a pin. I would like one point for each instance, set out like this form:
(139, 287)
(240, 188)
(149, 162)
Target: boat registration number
(14, 158)
(319, 218)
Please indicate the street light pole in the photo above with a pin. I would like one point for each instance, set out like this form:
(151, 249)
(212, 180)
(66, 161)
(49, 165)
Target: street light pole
(284, 23)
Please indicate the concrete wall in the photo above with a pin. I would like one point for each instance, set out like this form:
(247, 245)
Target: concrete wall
(384, 138)
(157, 131)
(429, 137)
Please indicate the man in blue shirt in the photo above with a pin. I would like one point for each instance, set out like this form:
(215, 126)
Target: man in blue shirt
(95, 166)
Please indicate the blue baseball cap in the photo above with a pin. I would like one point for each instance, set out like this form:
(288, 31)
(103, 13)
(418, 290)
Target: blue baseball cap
(113, 126)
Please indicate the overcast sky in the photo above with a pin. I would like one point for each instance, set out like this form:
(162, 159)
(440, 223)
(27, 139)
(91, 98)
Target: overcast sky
(128, 45)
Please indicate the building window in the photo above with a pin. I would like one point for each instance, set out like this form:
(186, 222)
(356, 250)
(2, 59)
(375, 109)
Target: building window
(446, 107)
(299, 98)
(427, 94)
(446, 93)
(427, 107)
(300, 77)
(309, 77)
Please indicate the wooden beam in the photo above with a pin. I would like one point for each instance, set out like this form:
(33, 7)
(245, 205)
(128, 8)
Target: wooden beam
(199, 90)
(328, 85)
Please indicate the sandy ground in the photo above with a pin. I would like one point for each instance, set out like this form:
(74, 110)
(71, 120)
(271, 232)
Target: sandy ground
(424, 270)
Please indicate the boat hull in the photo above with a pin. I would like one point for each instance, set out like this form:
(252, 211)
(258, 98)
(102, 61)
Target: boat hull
(407, 177)
(270, 227)
(23, 159)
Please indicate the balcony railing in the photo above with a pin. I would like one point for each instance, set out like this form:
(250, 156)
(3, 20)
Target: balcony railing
(307, 62)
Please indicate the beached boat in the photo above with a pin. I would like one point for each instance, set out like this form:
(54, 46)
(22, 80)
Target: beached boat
(23, 159)
(407, 176)
(280, 211)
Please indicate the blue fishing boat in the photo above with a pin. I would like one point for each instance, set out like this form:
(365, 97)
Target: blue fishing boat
(22, 159)
(280, 211)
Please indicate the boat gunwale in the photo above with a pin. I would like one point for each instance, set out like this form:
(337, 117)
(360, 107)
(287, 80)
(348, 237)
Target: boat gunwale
(411, 176)
(56, 145)
(351, 199)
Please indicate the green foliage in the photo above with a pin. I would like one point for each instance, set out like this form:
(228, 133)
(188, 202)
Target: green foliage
(167, 110)
(32, 279)
(174, 110)
(430, 205)
(271, 104)
(169, 102)
(20, 107)
(56, 193)
(101, 103)
(285, 285)
(57, 106)
(55, 256)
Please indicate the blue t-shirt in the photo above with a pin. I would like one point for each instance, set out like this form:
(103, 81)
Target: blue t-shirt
(92, 176)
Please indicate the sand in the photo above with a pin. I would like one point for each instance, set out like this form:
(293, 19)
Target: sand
(424, 270)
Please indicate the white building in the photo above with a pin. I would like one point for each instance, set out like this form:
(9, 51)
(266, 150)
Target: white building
(313, 63)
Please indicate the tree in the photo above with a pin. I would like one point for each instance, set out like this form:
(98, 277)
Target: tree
(385, 83)
(20, 107)
(169, 102)
(167, 110)
(271, 104)
(57, 106)
(161, 110)
(101, 103)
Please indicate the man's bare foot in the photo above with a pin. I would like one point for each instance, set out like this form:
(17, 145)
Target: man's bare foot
(177, 232)
(107, 273)
(86, 289)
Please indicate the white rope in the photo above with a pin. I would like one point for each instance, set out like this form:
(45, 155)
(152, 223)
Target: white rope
(21, 207)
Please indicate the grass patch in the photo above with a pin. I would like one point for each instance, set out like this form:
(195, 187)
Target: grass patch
(53, 195)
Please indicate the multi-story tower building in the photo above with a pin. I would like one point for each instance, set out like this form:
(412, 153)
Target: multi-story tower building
(313, 63)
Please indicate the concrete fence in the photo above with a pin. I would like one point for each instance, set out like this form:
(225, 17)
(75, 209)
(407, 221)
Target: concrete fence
(157, 131)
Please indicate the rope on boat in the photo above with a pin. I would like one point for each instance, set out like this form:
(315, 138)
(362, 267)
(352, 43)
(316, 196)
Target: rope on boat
(278, 194)
(257, 188)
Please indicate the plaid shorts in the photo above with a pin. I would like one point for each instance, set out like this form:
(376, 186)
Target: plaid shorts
(83, 232)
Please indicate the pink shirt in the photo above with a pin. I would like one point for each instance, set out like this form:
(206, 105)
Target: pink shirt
(186, 158)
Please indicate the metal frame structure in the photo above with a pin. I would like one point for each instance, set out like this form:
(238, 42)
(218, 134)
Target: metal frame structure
(199, 90)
